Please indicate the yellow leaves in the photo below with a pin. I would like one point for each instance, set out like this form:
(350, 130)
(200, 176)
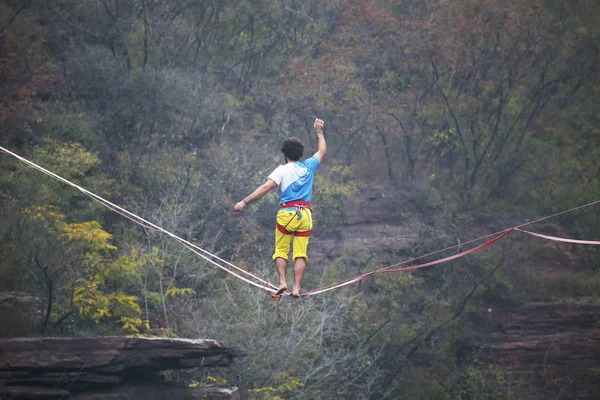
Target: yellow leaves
(180, 292)
(86, 246)
(45, 214)
(210, 381)
(90, 232)
(83, 250)
(285, 386)
(88, 235)
(90, 303)
(266, 393)
(218, 380)
(101, 306)
(124, 300)
(134, 325)
(154, 257)
(127, 267)
(100, 313)
(93, 299)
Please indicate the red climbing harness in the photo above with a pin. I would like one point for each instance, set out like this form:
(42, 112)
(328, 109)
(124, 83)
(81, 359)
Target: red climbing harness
(298, 205)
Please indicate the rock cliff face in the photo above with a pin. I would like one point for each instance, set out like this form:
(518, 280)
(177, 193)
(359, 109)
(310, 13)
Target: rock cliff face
(377, 221)
(107, 367)
(555, 347)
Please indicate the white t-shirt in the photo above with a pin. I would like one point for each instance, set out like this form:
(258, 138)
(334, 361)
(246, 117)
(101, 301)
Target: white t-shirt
(296, 179)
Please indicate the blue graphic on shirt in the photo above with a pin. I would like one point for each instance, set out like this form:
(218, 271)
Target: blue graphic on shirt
(301, 189)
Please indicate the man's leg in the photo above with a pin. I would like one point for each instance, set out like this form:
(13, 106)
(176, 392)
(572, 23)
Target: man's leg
(299, 268)
(300, 255)
(281, 264)
(280, 256)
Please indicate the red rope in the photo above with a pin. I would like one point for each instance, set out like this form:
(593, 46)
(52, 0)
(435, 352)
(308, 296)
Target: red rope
(464, 253)
(386, 269)
(148, 225)
(499, 235)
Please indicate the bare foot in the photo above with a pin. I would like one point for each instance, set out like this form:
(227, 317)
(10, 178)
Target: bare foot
(282, 288)
(295, 293)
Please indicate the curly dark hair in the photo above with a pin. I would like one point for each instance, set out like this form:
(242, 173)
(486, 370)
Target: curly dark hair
(292, 148)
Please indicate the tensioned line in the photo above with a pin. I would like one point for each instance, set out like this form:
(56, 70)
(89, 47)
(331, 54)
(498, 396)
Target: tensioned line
(141, 221)
(206, 255)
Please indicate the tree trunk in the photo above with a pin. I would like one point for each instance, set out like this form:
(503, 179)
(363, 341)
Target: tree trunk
(49, 308)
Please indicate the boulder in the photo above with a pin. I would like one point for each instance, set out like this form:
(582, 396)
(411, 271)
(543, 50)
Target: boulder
(107, 367)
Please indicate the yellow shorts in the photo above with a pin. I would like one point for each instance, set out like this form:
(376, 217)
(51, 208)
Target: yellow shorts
(295, 228)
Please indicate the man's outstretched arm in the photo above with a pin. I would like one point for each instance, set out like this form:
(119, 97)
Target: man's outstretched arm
(257, 194)
(321, 145)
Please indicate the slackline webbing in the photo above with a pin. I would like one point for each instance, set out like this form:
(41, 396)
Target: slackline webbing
(262, 284)
(206, 255)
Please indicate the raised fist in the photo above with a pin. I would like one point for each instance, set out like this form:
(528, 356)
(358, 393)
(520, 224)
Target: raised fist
(319, 124)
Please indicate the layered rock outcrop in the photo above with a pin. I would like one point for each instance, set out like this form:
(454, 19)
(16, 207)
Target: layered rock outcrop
(554, 347)
(107, 367)
(376, 221)
(551, 348)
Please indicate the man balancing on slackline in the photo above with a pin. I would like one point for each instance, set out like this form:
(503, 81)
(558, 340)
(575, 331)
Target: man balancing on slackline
(294, 219)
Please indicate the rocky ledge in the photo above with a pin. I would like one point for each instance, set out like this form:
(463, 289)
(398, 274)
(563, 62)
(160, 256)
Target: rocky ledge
(107, 367)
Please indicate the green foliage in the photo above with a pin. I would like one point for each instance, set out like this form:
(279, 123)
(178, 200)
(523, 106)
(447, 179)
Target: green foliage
(335, 184)
(483, 382)
(72, 126)
(144, 51)
(16, 322)
(556, 286)
(175, 110)
(180, 292)
(78, 260)
(26, 186)
(70, 160)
